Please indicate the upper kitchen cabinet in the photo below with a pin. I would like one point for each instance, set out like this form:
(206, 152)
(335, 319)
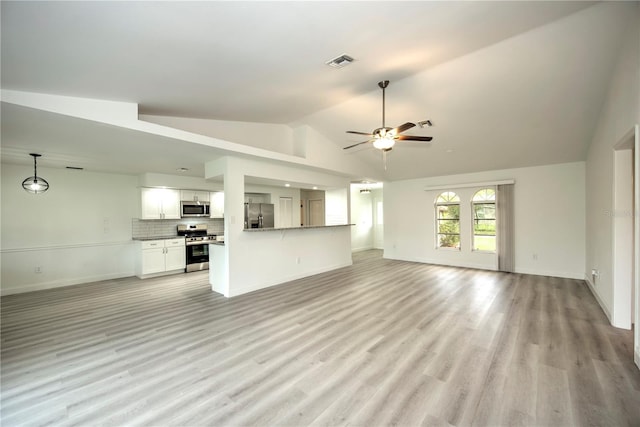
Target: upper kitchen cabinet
(194, 196)
(160, 203)
(217, 205)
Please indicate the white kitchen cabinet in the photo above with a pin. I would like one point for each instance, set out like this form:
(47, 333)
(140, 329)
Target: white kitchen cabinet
(158, 257)
(194, 196)
(175, 254)
(217, 205)
(153, 261)
(160, 203)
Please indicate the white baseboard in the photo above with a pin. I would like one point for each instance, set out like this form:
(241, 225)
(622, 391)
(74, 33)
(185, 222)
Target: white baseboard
(367, 248)
(285, 279)
(441, 262)
(63, 283)
(592, 288)
(562, 274)
(164, 273)
(636, 357)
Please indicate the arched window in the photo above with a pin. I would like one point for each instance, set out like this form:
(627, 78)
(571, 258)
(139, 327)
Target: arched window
(448, 220)
(484, 220)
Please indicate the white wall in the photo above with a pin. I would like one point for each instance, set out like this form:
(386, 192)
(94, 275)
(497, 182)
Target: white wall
(79, 231)
(273, 137)
(178, 181)
(549, 203)
(619, 114)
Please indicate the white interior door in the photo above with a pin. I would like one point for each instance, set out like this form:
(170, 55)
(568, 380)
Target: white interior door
(316, 212)
(378, 224)
(286, 212)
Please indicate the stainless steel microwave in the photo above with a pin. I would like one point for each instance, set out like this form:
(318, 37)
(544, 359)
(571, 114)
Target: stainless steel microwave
(190, 209)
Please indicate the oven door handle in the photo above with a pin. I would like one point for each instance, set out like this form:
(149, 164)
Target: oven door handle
(196, 243)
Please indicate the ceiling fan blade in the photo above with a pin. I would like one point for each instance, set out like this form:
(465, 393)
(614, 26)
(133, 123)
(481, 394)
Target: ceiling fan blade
(355, 145)
(414, 138)
(403, 127)
(359, 133)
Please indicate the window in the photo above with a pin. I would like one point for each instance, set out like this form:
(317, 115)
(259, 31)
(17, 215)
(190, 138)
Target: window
(484, 220)
(448, 220)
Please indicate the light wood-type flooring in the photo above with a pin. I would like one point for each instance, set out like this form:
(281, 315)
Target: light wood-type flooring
(380, 343)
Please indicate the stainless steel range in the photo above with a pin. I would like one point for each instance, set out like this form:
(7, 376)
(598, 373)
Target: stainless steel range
(197, 245)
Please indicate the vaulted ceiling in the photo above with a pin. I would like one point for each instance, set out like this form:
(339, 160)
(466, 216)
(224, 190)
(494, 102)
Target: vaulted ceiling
(506, 84)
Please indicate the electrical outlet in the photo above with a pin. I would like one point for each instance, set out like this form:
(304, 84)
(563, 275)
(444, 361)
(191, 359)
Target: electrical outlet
(535, 257)
(297, 260)
(37, 269)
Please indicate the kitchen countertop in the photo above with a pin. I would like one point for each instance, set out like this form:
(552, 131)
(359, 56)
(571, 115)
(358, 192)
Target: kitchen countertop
(296, 228)
(144, 239)
(156, 238)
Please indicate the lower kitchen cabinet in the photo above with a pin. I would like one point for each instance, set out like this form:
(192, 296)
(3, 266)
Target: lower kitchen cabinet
(157, 257)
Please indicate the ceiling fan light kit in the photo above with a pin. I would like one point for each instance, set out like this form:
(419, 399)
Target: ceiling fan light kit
(384, 138)
(35, 184)
(384, 143)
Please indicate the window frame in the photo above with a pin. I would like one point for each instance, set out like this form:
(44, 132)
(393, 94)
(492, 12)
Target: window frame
(494, 219)
(437, 233)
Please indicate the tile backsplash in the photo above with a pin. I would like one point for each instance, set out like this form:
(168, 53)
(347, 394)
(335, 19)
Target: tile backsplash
(142, 228)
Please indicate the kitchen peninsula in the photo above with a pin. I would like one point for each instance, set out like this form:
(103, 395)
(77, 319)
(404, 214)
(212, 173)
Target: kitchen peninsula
(253, 258)
(271, 256)
(304, 227)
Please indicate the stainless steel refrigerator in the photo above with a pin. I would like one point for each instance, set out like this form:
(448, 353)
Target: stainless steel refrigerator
(258, 215)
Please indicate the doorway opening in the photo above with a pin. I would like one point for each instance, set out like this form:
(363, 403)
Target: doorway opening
(625, 221)
(367, 216)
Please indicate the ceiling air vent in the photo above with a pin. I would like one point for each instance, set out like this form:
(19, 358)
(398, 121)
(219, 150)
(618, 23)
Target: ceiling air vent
(340, 61)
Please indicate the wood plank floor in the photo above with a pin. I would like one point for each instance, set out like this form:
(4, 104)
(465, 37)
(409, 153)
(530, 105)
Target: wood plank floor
(379, 343)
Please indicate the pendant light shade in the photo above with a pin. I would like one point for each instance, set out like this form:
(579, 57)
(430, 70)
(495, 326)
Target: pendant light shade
(35, 184)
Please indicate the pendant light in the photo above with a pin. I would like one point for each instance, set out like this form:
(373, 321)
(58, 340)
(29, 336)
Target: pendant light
(34, 184)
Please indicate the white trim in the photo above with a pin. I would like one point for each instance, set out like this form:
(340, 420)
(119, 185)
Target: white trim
(469, 185)
(441, 262)
(286, 279)
(560, 274)
(636, 244)
(592, 288)
(551, 273)
(361, 249)
(63, 283)
(162, 273)
(62, 247)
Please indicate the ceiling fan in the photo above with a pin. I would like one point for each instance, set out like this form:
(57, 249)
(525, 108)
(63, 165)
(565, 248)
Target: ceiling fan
(384, 138)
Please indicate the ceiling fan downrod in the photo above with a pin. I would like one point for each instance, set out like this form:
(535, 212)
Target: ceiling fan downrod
(383, 85)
